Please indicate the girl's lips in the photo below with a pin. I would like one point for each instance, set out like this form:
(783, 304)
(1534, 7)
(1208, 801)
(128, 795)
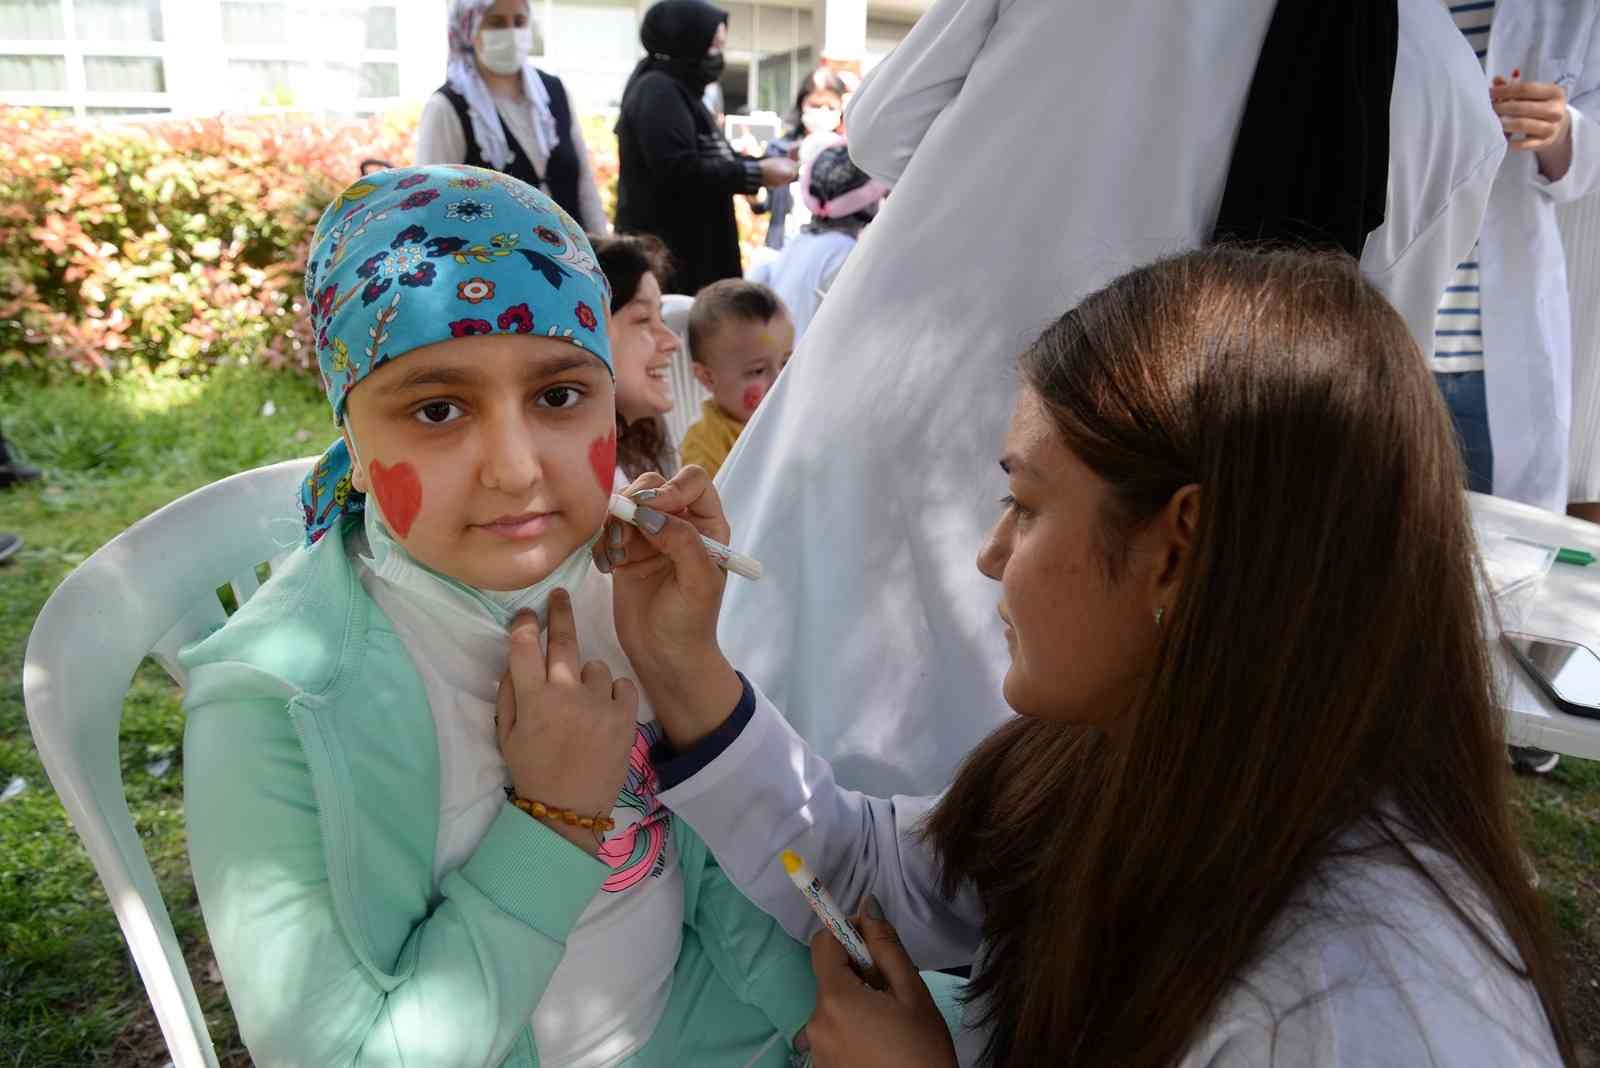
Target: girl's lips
(520, 527)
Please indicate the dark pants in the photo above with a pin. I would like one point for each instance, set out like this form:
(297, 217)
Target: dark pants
(1468, 401)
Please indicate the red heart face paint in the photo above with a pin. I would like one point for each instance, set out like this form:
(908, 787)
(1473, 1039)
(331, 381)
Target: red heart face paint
(603, 460)
(751, 398)
(399, 493)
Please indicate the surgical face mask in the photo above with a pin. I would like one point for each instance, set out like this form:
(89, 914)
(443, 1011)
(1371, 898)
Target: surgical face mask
(504, 51)
(821, 120)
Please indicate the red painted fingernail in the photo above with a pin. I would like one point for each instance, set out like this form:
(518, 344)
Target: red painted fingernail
(1517, 73)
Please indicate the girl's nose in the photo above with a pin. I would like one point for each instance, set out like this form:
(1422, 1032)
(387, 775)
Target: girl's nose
(510, 460)
(995, 552)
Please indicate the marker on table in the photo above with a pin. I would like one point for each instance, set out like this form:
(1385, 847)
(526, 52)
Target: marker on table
(1576, 557)
(746, 566)
(828, 912)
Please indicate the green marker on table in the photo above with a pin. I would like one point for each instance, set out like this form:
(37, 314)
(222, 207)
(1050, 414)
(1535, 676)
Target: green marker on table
(1576, 557)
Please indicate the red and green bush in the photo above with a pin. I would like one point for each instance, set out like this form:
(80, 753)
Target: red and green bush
(170, 245)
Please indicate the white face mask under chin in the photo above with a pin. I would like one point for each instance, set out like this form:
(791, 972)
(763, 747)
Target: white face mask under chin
(504, 51)
(495, 609)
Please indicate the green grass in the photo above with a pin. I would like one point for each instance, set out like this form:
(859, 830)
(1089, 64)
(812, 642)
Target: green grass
(68, 994)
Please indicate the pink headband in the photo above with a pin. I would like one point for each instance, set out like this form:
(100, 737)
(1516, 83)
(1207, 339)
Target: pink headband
(844, 205)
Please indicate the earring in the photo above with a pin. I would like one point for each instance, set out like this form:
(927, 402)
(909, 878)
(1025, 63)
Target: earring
(1159, 613)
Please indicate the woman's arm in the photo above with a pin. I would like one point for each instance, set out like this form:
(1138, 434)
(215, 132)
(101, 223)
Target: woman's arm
(440, 138)
(673, 148)
(456, 987)
(1581, 175)
(902, 96)
(591, 213)
(752, 792)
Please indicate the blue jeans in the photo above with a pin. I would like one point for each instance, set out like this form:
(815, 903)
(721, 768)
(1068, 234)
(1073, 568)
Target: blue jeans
(1468, 401)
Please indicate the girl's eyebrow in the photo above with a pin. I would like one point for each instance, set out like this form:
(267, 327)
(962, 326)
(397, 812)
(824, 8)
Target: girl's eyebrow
(468, 376)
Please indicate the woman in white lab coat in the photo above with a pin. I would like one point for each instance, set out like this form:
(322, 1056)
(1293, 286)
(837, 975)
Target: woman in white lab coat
(1037, 148)
(1527, 329)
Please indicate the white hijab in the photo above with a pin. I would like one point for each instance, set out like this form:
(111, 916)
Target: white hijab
(462, 75)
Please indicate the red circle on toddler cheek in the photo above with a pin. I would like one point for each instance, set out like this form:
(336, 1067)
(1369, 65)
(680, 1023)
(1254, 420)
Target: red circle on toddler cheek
(399, 491)
(603, 460)
(752, 398)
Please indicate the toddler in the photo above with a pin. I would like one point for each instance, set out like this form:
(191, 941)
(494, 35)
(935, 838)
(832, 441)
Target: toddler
(390, 873)
(740, 337)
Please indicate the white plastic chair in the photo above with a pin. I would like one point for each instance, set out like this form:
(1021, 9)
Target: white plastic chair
(687, 393)
(149, 591)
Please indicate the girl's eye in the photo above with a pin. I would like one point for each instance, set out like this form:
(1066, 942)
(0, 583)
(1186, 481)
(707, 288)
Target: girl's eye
(437, 413)
(560, 397)
(1009, 503)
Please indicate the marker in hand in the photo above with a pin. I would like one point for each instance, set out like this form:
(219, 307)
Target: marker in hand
(832, 917)
(748, 567)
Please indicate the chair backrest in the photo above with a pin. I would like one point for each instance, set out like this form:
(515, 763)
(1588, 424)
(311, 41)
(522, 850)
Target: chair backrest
(149, 591)
(687, 392)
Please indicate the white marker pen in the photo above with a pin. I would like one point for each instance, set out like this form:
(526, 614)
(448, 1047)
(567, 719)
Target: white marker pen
(828, 912)
(747, 566)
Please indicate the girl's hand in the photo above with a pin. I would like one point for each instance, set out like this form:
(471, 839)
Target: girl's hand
(855, 1026)
(1538, 111)
(667, 594)
(564, 732)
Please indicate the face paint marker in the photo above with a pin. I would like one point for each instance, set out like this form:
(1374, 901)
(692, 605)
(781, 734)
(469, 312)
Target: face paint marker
(725, 558)
(603, 460)
(828, 911)
(399, 493)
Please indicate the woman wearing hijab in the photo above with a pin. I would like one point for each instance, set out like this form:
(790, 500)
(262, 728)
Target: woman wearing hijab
(1180, 136)
(679, 175)
(497, 110)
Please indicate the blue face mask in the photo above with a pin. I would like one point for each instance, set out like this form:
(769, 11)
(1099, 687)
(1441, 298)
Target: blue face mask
(489, 610)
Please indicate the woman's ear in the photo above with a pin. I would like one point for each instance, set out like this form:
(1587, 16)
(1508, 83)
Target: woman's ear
(1175, 529)
(358, 472)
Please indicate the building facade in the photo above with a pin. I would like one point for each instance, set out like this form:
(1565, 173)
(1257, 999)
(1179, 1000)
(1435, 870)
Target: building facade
(110, 57)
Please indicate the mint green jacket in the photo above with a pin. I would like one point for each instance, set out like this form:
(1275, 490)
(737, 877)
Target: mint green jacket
(311, 790)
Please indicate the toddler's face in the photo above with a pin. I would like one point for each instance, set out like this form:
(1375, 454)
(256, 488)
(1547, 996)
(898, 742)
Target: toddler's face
(490, 458)
(741, 360)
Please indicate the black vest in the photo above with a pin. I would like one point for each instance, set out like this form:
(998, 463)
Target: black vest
(560, 171)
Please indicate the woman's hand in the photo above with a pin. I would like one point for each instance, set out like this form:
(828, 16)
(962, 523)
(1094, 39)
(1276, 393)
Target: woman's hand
(564, 732)
(855, 1026)
(778, 170)
(667, 594)
(1538, 111)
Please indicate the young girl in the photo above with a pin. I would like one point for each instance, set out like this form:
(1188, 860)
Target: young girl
(393, 868)
(1252, 810)
(818, 115)
(642, 345)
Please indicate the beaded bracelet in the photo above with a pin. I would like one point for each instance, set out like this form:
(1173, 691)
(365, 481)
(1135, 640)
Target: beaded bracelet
(600, 825)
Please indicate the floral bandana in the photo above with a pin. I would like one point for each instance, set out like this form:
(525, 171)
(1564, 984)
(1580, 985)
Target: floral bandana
(416, 255)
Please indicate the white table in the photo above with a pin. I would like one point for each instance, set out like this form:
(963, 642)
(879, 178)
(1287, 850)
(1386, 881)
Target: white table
(1566, 605)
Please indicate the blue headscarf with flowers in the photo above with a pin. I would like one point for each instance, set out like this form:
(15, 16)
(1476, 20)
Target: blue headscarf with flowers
(408, 257)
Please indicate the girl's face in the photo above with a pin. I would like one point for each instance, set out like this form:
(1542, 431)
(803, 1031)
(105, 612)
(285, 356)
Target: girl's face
(1079, 640)
(641, 349)
(822, 112)
(490, 458)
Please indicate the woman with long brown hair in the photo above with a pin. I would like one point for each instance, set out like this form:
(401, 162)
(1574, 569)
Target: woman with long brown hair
(637, 266)
(1254, 808)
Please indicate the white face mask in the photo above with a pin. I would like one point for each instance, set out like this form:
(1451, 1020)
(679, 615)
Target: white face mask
(504, 51)
(821, 120)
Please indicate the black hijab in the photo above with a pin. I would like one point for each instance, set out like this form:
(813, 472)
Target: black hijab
(676, 35)
(1311, 164)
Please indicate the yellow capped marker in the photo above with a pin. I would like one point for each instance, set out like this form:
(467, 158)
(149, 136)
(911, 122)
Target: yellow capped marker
(828, 911)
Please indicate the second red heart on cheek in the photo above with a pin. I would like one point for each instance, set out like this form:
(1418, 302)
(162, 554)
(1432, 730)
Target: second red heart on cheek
(399, 491)
(603, 460)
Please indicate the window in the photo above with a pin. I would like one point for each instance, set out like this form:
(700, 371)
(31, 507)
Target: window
(264, 82)
(124, 74)
(32, 20)
(383, 30)
(117, 20)
(33, 74)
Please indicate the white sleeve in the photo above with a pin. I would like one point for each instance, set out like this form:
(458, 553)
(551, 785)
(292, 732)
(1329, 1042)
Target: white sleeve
(902, 96)
(440, 138)
(1583, 175)
(1445, 148)
(591, 213)
(768, 792)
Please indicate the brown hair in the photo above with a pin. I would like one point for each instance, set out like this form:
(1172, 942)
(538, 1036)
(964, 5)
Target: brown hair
(731, 298)
(1322, 677)
(626, 259)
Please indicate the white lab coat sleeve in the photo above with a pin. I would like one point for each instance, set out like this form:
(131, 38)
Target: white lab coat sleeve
(902, 96)
(440, 138)
(592, 215)
(768, 792)
(1583, 176)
